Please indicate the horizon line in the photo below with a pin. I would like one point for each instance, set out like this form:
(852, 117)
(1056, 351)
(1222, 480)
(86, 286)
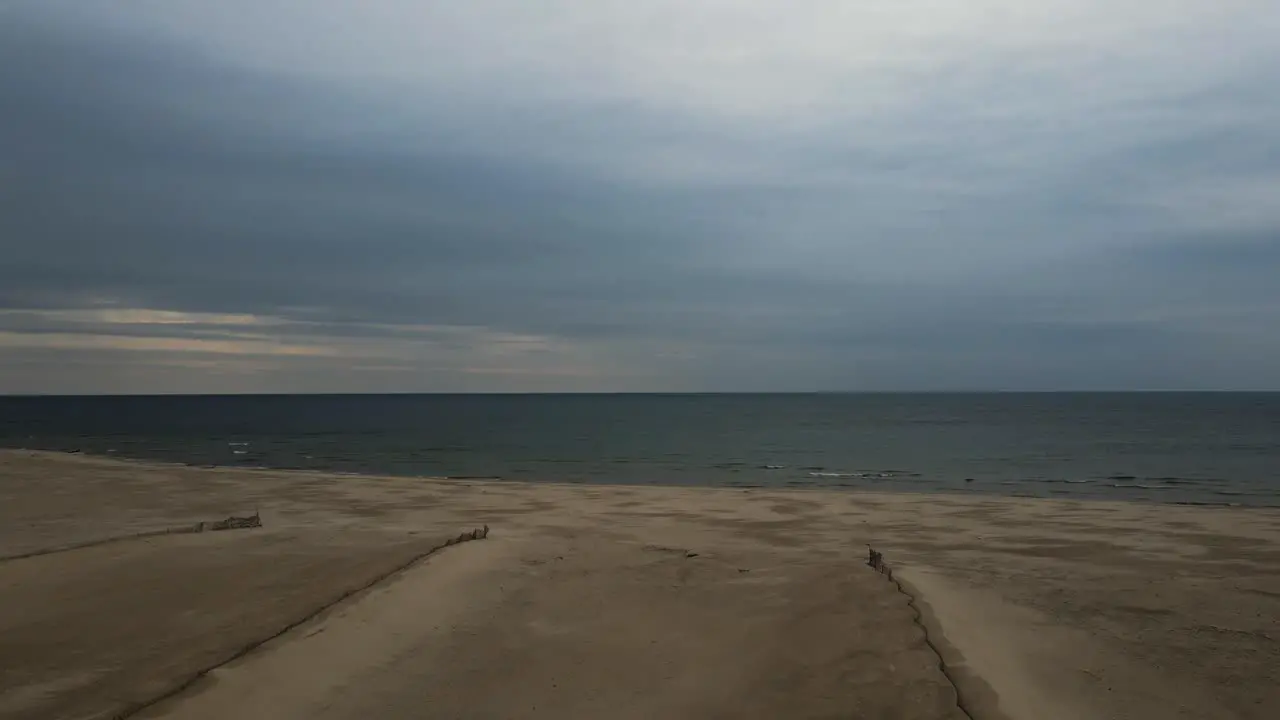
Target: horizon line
(508, 393)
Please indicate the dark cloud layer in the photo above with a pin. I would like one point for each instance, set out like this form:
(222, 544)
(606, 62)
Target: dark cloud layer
(166, 204)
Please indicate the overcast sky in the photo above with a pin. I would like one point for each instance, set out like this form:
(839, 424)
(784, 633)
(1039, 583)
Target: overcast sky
(312, 195)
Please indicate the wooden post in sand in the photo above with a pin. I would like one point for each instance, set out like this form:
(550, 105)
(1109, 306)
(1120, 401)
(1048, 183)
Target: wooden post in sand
(876, 561)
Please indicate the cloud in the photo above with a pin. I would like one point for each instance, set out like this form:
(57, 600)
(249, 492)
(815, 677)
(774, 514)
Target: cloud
(747, 195)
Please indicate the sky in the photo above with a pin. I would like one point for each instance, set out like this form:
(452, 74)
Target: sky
(671, 195)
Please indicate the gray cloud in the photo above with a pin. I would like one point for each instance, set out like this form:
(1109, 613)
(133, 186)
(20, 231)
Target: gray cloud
(460, 206)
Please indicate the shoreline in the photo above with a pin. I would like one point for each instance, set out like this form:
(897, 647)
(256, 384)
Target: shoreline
(1083, 607)
(942, 491)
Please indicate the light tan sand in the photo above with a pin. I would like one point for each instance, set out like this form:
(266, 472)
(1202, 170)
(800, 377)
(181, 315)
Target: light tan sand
(584, 604)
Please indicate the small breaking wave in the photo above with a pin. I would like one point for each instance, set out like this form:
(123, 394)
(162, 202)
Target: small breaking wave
(864, 475)
(1189, 481)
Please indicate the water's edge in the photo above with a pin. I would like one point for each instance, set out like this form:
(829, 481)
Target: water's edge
(974, 492)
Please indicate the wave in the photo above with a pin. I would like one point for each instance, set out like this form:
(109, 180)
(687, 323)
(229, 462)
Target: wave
(1189, 481)
(866, 475)
(1166, 480)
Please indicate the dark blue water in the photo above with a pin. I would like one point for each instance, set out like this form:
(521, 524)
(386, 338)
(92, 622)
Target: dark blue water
(1199, 448)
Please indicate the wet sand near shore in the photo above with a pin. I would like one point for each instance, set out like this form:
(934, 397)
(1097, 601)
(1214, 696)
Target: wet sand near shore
(607, 601)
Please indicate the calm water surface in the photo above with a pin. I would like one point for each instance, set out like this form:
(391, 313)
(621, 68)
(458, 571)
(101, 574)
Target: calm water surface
(1176, 447)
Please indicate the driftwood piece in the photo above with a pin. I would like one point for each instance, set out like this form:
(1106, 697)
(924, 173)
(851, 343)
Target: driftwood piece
(477, 534)
(232, 523)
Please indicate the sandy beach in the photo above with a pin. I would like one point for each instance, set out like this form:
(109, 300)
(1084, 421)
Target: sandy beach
(617, 601)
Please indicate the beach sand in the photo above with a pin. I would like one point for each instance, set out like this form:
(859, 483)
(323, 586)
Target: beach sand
(618, 601)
